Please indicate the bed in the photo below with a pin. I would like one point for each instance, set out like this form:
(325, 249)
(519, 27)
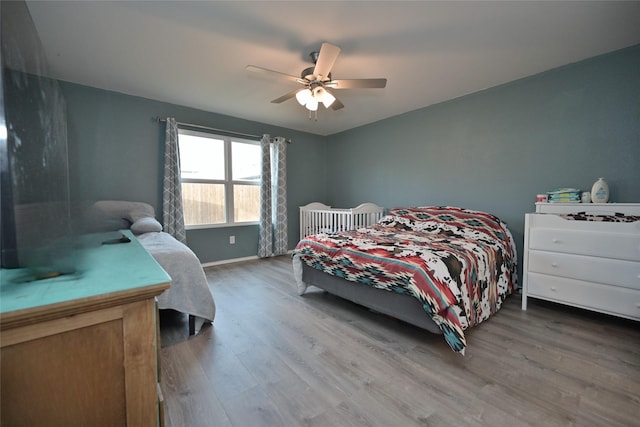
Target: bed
(189, 291)
(444, 269)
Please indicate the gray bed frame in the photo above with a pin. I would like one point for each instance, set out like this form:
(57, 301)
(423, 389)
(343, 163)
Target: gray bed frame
(399, 306)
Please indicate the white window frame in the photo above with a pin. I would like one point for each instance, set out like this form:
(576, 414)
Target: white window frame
(228, 182)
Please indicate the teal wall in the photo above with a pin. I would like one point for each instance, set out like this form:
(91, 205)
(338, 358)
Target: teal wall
(496, 149)
(493, 150)
(116, 149)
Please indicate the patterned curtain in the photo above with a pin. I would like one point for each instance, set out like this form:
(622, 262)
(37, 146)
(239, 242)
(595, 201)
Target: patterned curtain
(265, 241)
(273, 198)
(279, 195)
(172, 213)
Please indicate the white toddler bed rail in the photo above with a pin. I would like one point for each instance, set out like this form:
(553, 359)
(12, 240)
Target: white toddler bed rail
(318, 218)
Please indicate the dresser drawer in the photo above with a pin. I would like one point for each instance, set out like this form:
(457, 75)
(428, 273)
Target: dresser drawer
(620, 240)
(592, 269)
(593, 296)
(594, 243)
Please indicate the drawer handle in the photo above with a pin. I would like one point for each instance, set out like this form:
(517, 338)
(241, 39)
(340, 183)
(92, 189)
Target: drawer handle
(554, 240)
(554, 264)
(553, 288)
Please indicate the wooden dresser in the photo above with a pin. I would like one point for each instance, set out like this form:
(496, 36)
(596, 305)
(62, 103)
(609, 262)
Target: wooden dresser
(82, 349)
(588, 264)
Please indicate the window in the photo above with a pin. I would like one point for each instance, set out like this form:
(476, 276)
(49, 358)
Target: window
(220, 179)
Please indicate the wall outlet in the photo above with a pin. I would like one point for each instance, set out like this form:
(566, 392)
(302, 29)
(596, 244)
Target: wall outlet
(232, 240)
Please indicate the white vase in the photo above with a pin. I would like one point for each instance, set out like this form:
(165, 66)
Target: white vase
(600, 191)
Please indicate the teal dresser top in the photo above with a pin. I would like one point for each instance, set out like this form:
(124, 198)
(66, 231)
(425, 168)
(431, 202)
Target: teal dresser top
(105, 272)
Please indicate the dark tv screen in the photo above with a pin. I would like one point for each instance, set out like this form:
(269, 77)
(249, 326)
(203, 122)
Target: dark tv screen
(35, 202)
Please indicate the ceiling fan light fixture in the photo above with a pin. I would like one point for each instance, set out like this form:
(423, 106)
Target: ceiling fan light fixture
(321, 94)
(303, 96)
(312, 104)
(327, 99)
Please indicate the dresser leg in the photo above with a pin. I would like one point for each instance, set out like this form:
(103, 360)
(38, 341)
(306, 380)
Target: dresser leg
(192, 324)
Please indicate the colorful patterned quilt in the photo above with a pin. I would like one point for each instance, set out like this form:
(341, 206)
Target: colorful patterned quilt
(460, 264)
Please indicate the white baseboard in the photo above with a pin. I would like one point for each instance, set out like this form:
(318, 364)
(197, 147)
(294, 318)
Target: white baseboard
(234, 260)
(229, 261)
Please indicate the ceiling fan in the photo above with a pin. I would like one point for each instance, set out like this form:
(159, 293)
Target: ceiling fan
(318, 83)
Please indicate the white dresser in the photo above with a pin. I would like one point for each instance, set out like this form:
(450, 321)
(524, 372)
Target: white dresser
(588, 264)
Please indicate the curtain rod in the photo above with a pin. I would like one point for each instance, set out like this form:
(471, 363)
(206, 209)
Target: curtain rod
(191, 125)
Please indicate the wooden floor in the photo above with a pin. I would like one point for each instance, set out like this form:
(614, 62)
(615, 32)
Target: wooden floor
(273, 358)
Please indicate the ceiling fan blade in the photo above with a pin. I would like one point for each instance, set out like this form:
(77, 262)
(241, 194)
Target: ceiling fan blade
(358, 84)
(337, 105)
(276, 73)
(285, 96)
(326, 58)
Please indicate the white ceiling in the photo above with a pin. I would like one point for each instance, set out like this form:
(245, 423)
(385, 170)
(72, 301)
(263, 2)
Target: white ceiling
(195, 53)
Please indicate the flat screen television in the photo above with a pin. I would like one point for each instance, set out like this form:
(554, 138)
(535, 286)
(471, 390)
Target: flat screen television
(35, 204)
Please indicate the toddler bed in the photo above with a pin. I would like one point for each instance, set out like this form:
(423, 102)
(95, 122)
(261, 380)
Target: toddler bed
(447, 268)
(189, 291)
(319, 218)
